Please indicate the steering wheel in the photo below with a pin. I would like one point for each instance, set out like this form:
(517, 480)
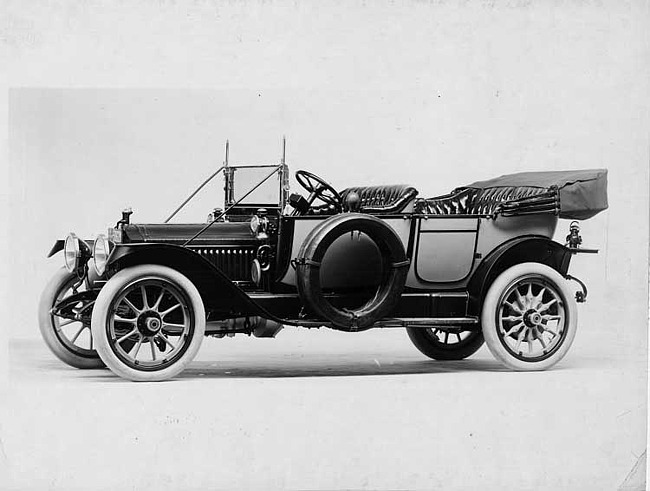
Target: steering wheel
(318, 188)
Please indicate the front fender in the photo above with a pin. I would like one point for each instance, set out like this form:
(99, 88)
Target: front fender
(533, 248)
(60, 244)
(219, 294)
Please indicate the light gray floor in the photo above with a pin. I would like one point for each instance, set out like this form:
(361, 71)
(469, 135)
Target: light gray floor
(325, 410)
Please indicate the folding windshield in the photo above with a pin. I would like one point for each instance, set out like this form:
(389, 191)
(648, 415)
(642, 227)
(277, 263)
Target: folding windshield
(241, 180)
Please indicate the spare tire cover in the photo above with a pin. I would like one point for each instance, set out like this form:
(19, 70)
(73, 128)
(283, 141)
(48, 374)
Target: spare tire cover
(394, 270)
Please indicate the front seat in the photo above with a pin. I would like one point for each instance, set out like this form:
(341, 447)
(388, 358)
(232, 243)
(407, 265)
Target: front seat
(382, 199)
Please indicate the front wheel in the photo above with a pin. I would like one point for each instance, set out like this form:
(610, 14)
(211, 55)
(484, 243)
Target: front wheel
(529, 317)
(68, 337)
(148, 323)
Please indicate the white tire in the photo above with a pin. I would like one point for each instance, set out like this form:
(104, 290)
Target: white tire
(529, 317)
(148, 323)
(70, 340)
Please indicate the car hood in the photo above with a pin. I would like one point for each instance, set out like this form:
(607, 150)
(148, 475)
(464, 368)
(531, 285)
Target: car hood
(221, 233)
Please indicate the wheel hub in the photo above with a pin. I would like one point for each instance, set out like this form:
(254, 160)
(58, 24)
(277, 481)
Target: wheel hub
(532, 318)
(149, 323)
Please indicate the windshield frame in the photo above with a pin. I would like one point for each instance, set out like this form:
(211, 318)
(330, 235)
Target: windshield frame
(229, 188)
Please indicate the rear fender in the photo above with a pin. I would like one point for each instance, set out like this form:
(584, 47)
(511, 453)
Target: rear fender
(218, 292)
(537, 249)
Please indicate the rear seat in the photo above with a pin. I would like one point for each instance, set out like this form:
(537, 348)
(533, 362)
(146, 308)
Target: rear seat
(472, 201)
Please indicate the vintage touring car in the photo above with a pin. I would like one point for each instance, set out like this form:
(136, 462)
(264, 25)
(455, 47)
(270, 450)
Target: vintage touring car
(478, 264)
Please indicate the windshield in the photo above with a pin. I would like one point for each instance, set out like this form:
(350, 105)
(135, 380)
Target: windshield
(246, 178)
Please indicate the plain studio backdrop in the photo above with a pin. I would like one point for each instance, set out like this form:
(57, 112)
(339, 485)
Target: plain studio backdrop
(115, 106)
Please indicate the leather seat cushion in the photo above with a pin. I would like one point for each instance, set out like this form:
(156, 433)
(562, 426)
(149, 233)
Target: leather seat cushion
(382, 199)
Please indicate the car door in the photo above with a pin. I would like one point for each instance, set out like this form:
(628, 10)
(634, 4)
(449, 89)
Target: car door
(445, 248)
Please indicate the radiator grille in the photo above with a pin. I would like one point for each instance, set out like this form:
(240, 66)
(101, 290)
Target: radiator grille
(235, 262)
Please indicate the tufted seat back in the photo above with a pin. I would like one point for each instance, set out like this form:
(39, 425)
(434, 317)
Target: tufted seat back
(488, 199)
(458, 202)
(382, 199)
(472, 201)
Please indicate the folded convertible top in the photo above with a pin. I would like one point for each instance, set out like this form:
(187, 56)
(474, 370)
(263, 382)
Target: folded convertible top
(581, 193)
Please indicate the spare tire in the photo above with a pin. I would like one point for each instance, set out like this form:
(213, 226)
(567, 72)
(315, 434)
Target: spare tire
(394, 270)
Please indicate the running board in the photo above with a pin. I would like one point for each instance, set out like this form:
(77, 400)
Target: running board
(443, 322)
(433, 307)
(427, 322)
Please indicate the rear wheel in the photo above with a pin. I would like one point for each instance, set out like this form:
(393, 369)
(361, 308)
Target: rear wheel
(449, 344)
(529, 317)
(148, 323)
